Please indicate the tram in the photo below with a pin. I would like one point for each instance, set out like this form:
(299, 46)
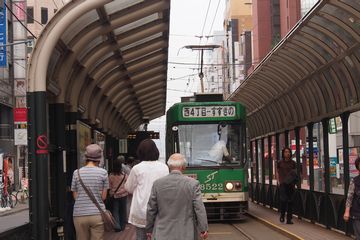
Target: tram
(212, 137)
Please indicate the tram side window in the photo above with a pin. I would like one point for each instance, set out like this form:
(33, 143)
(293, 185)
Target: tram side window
(336, 165)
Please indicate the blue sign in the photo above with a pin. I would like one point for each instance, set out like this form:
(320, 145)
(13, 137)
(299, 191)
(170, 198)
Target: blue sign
(3, 36)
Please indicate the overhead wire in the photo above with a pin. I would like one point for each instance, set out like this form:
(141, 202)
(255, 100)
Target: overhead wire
(12, 13)
(28, 15)
(212, 23)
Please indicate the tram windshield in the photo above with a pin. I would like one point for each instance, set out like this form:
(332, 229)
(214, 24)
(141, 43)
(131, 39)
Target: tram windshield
(211, 144)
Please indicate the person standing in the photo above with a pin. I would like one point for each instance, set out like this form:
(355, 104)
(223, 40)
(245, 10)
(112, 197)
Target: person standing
(286, 169)
(117, 180)
(175, 209)
(352, 205)
(140, 181)
(87, 218)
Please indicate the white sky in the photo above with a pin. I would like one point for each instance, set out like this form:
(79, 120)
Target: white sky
(187, 19)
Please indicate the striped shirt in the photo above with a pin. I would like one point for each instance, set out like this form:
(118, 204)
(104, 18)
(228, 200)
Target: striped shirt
(96, 180)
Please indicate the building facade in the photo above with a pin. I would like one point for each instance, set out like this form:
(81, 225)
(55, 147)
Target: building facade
(237, 20)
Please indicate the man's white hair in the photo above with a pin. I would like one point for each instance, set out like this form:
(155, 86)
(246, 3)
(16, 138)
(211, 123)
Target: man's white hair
(176, 161)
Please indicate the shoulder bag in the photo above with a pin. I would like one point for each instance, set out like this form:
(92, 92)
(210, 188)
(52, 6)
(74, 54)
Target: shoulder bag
(109, 221)
(110, 199)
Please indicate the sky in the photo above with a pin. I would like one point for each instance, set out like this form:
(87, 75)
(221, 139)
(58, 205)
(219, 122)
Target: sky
(189, 19)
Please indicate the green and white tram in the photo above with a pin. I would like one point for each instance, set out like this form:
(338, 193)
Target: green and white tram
(212, 137)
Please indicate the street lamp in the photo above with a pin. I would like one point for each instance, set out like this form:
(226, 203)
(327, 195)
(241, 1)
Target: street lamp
(201, 48)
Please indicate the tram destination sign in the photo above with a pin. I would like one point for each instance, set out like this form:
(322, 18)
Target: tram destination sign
(208, 111)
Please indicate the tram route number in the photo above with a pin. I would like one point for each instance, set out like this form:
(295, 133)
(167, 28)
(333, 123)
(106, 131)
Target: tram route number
(208, 111)
(212, 187)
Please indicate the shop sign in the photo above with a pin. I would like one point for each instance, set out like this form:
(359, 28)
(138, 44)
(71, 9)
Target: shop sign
(20, 115)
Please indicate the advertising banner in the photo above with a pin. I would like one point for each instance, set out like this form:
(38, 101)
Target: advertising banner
(83, 134)
(3, 36)
(20, 115)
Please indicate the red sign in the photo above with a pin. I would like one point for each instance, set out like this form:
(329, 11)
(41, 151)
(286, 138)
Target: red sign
(20, 114)
(42, 144)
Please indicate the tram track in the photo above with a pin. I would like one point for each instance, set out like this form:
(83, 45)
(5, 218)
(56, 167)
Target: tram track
(245, 235)
(248, 229)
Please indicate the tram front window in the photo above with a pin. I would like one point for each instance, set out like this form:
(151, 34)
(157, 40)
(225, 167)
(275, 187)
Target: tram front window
(210, 144)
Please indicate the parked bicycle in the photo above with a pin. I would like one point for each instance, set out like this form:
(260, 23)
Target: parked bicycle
(7, 199)
(23, 193)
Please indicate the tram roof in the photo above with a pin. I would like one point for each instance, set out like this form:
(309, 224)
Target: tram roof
(312, 74)
(106, 59)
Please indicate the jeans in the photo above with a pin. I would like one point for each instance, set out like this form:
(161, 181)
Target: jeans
(119, 212)
(286, 195)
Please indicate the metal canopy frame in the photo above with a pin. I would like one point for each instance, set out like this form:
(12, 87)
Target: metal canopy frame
(107, 58)
(312, 74)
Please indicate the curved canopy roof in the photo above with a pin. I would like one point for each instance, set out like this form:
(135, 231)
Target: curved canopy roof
(313, 73)
(106, 59)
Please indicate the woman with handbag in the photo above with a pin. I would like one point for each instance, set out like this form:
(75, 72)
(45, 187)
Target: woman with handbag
(89, 186)
(118, 194)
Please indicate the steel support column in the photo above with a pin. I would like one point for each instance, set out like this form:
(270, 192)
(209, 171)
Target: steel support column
(38, 152)
(270, 159)
(286, 133)
(345, 139)
(297, 155)
(257, 161)
(325, 124)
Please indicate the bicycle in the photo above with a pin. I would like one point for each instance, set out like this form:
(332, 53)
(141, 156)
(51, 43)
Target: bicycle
(23, 193)
(7, 199)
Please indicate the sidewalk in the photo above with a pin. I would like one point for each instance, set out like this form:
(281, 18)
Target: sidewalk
(301, 229)
(18, 208)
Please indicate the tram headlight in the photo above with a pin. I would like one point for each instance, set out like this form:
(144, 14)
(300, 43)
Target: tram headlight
(229, 186)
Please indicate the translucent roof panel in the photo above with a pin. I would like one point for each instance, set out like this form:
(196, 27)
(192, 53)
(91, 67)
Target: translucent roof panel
(324, 49)
(97, 51)
(136, 24)
(114, 6)
(80, 23)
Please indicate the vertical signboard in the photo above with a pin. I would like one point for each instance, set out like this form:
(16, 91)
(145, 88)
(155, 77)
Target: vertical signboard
(3, 36)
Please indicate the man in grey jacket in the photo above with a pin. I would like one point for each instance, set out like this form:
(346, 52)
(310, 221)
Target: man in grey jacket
(175, 210)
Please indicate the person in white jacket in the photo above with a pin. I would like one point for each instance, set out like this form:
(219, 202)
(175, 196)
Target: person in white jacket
(140, 182)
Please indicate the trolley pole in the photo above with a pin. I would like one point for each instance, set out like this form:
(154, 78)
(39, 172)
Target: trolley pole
(201, 48)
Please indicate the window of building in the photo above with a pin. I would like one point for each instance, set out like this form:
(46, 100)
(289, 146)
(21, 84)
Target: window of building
(30, 14)
(44, 15)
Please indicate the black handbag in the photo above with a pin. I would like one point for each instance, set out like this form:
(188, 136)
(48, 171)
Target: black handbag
(108, 219)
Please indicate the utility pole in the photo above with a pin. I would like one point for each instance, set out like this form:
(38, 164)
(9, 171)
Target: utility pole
(202, 48)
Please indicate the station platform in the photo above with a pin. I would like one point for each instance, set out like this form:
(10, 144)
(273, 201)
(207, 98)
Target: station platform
(301, 229)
